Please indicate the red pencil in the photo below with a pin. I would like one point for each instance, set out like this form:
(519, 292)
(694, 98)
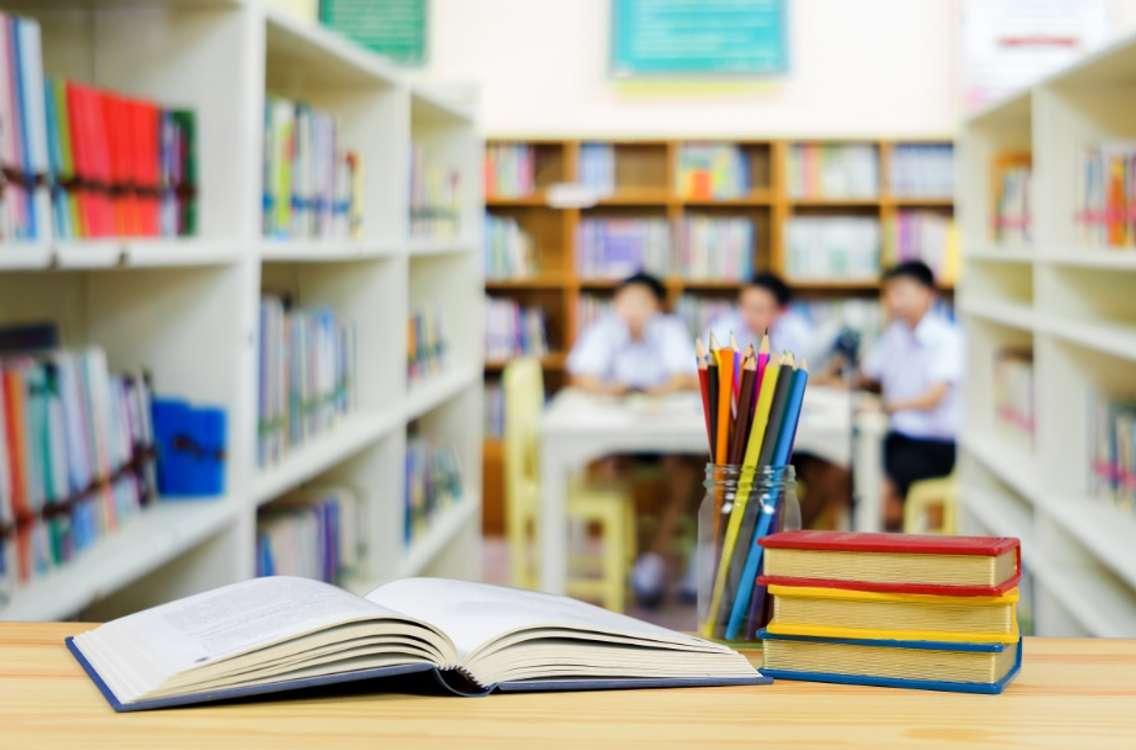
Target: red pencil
(704, 388)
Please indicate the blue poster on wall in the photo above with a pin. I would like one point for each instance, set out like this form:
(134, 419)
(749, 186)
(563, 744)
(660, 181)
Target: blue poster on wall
(699, 37)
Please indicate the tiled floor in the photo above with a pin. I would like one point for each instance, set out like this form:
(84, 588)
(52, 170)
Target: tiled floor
(671, 614)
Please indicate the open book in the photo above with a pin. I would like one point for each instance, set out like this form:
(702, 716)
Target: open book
(272, 634)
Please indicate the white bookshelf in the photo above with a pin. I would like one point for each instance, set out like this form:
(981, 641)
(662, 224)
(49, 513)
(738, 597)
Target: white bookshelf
(187, 309)
(1073, 304)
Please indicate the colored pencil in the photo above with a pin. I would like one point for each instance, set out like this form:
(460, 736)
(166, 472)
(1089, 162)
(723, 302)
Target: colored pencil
(704, 388)
(712, 383)
(762, 359)
(745, 408)
(783, 440)
(725, 391)
(737, 371)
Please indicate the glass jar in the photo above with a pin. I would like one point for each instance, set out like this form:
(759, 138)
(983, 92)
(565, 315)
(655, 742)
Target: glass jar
(741, 505)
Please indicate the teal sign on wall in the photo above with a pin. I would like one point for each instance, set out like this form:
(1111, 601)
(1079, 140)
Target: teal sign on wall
(395, 28)
(699, 37)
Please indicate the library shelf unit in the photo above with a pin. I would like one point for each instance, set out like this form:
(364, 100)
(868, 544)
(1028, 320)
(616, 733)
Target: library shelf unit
(1070, 302)
(187, 308)
(645, 186)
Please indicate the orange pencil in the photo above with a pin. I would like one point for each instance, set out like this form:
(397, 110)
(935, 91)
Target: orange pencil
(725, 357)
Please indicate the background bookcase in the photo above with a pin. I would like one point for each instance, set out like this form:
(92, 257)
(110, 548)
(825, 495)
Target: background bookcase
(187, 309)
(645, 186)
(1072, 304)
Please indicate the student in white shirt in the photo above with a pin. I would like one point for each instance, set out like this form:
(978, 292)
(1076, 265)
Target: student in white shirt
(639, 347)
(917, 363)
(764, 305)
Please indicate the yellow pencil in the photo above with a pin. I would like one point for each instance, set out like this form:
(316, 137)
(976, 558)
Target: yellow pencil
(753, 449)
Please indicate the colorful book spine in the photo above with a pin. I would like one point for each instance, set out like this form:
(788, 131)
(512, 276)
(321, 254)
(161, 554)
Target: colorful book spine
(1106, 195)
(316, 533)
(306, 375)
(426, 344)
(435, 195)
(1014, 404)
(76, 457)
(707, 171)
(508, 249)
(922, 170)
(1112, 451)
(513, 331)
(597, 167)
(821, 170)
(1012, 219)
(618, 247)
(433, 484)
(310, 181)
(510, 170)
(716, 248)
(927, 236)
(834, 247)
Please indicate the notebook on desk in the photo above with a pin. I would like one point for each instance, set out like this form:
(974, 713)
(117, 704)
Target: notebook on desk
(276, 634)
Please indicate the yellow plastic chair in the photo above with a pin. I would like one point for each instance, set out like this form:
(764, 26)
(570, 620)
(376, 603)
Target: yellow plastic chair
(926, 494)
(608, 507)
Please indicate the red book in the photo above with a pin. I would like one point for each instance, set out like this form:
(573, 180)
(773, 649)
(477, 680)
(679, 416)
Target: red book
(900, 563)
(77, 122)
(99, 159)
(147, 128)
(12, 391)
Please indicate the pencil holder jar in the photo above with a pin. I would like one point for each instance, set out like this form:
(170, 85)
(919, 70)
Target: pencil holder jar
(740, 505)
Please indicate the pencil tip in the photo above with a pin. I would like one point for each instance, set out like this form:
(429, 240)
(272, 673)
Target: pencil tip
(713, 342)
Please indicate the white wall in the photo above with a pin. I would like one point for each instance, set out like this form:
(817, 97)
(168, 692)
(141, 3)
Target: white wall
(872, 67)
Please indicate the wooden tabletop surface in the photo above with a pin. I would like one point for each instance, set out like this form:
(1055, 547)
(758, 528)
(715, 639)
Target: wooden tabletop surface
(1071, 693)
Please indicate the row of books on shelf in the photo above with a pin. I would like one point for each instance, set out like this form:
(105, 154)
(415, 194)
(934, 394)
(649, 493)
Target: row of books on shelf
(616, 247)
(315, 533)
(311, 183)
(510, 170)
(76, 456)
(1112, 449)
(508, 249)
(1106, 195)
(1012, 220)
(590, 308)
(922, 170)
(81, 162)
(716, 248)
(494, 404)
(597, 167)
(512, 330)
(306, 371)
(1014, 403)
(435, 195)
(823, 170)
(426, 344)
(833, 247)
(712, 171)
(433, 483)
(927, 236)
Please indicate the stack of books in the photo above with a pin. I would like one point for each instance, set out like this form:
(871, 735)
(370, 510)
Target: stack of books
(76, 456)
(307, 375)
(311, 184)
(614, 248)
(712, 171)
(1012, 220)
(314, 533)
(716, 248)
(433, 483)
(508, 249)
(845, 248)
(509, 170)
(80, 162)
(923, 170)
(1112, 450)
(426, 344)
(927, 236)
(820, 170)
(435, 196)
(597, 167)
(898, 610)
(589, 309)
(1106, 192)
(513, 331)
(1014, 392)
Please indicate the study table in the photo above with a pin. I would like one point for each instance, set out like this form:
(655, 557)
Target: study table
(1071, 694)
(577, 428)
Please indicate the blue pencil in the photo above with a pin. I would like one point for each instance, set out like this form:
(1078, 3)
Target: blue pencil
(740, 608)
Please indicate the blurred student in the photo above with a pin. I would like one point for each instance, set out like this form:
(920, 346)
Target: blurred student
(639, 347)
(764, 304)
(635, 347)
(917, 363)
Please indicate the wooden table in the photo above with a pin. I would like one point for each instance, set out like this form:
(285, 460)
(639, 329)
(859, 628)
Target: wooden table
(1071, 694)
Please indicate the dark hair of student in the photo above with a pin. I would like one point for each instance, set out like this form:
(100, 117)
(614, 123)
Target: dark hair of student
(916, 270)
(773, 284)
(644, 279)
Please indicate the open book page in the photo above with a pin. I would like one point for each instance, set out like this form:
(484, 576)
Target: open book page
(477, 615)
(139, 652)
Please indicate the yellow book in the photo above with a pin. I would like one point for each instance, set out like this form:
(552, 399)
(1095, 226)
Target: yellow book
(848, 613)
